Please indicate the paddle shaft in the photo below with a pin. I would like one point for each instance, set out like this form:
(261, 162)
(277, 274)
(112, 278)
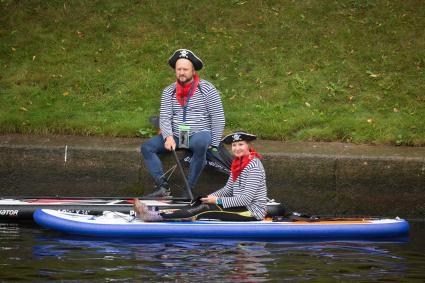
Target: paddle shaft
(189, 191)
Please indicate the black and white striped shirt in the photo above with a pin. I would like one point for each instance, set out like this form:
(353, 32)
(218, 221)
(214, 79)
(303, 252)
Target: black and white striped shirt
(248, 190)
(204, 112)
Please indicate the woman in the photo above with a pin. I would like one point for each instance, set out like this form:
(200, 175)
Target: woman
(243, 198)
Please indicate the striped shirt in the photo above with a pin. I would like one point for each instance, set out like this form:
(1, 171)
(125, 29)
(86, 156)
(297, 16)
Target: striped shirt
(248, 190)
(204, 112)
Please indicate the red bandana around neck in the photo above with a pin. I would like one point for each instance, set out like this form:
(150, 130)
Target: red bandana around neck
(239, 164)
(183, 91)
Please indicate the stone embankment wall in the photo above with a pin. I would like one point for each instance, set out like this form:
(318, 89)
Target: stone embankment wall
(315, 178)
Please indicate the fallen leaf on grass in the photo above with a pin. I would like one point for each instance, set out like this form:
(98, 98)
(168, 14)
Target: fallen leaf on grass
(23, 109)
(66, 93)
(80, 34)
(373, 75)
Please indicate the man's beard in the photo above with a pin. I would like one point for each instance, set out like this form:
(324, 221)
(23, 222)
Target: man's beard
(185, 81)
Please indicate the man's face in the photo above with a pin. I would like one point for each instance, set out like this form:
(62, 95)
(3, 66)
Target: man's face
(184, 71)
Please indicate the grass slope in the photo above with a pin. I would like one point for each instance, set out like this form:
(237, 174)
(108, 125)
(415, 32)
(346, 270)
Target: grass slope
(309, 70)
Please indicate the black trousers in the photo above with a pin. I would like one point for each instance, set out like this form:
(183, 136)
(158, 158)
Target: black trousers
(209, 211)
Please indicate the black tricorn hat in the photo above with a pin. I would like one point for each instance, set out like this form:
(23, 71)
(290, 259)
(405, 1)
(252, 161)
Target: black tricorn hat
(238, 136)
(185, 54)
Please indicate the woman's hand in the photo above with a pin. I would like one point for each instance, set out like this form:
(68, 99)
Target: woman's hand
(209, 199)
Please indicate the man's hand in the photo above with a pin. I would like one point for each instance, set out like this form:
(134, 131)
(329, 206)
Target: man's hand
(170, 143)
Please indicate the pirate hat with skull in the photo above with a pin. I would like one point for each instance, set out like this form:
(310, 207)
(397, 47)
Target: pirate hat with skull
(238, 136)
(185, 54)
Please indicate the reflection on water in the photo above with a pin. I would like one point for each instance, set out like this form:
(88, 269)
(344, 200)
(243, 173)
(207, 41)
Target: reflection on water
(33, 254)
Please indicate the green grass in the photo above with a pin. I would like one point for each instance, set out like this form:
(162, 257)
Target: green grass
(350, 71)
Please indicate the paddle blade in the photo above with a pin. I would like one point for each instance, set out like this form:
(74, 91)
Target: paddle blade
(220, 159)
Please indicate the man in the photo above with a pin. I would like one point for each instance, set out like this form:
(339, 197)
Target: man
(191, 116)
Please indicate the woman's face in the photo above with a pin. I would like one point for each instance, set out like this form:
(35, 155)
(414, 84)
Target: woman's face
(240, 148)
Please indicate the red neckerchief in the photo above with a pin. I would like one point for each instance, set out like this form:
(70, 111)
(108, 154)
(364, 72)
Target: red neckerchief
(183, 91)
(239, 164)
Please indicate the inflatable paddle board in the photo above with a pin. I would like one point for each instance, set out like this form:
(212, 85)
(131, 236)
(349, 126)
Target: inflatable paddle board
(119, 225)
(24, 208)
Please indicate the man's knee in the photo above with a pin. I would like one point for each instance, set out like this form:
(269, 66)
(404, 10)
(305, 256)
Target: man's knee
(200, 146)
(145, 148)
(148, 147)
(201, 143)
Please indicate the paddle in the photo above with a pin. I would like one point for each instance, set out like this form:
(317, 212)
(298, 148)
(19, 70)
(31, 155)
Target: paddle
(183, 175)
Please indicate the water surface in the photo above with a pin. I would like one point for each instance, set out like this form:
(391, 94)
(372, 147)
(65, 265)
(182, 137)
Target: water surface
(29, 253)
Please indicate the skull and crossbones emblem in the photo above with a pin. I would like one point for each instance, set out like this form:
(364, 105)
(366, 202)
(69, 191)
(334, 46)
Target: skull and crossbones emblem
(236, 137)
(184, 53)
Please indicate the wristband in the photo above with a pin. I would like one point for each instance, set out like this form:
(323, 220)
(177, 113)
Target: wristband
(219, 201)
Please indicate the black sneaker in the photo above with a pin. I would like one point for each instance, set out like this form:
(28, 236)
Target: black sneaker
(162, 191)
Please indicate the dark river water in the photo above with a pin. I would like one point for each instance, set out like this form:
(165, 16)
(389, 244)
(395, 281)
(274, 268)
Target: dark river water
(30, 253)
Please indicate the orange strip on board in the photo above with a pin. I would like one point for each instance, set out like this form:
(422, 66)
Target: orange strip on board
(334, 222)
